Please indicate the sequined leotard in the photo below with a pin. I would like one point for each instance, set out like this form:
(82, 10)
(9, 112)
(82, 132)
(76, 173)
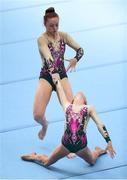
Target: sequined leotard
(74, 138)
(52, 54)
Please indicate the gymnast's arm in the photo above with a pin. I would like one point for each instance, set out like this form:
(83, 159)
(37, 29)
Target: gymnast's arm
(73, 44)
(102, 129)
(60, 91)
(45, 53)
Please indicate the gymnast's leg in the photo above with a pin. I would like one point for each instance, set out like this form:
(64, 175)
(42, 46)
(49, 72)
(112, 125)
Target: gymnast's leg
(59, 153)
(89, 156)
(42, 97)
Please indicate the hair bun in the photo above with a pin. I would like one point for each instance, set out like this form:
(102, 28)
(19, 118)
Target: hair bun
(50, 10)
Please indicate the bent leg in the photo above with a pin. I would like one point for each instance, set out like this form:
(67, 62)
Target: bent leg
(89, 156)
(42, 98)
(58, 153)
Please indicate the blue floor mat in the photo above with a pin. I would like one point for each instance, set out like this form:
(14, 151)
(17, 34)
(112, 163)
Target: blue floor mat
(99, 91)
(24, 141)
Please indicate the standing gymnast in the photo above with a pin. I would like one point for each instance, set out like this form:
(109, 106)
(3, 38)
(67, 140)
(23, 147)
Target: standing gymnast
(52, 48)
(74, 138)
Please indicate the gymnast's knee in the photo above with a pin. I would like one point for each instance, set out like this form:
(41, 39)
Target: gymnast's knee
(38, 116)
(92, 162)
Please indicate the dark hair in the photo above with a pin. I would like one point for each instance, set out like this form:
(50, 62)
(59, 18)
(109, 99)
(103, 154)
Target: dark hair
(50, 13)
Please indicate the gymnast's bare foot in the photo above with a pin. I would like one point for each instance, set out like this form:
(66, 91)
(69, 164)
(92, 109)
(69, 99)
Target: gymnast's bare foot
(34, 157)
(71, 155)
(29, 157)
(42, 132)
(100, 151)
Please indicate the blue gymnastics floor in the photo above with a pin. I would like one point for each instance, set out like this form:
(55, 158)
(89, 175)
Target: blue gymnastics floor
(100, 27)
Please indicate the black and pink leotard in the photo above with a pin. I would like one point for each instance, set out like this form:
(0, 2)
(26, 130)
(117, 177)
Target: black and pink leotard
(52, 54)
(74, 138)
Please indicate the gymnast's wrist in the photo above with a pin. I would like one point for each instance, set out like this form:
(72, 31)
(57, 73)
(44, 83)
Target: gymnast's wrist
(109, 143)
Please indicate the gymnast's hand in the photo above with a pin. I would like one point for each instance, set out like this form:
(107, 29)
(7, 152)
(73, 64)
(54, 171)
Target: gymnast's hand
(110, 149)
(72, 65)
(55, 77)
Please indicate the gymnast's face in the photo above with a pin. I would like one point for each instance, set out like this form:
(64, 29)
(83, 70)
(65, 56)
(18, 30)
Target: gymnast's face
(52, 25)
(80, 99)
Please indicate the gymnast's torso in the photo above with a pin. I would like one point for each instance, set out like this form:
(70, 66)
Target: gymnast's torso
(52, 51)
(74, 138)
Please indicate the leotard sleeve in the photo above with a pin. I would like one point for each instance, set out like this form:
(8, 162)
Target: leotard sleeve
(45, 53)
(100, 125)
(73, 44)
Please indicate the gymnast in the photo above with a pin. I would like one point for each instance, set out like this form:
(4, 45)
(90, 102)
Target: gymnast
(51, 46)
(74, 139)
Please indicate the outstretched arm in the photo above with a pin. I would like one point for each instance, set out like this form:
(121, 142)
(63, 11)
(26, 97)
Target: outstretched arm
(47, 58)
(102, 129)
(60, 91)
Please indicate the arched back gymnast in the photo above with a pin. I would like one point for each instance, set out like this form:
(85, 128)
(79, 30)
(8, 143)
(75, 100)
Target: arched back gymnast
(74, 138)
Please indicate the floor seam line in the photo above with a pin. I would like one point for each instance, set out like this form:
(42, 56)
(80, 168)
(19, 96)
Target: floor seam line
(78, 70)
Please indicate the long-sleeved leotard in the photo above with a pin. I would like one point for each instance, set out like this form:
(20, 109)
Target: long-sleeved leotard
(100, 125)
(52, 54)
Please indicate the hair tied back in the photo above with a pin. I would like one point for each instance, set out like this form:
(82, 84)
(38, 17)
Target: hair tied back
(50, 10)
